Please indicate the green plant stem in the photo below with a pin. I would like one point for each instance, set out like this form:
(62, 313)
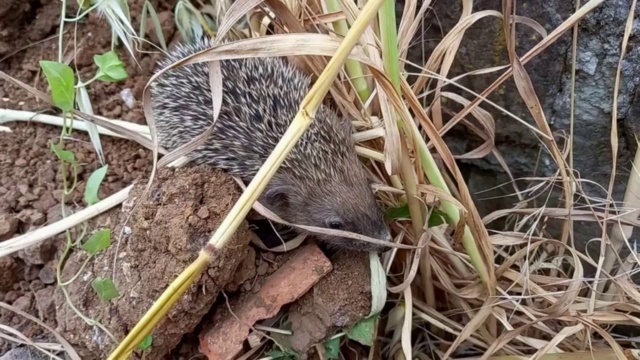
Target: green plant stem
(435, 178)
(389, 38)
(81, 84)
(85, 13)
(390, 58)
(84, 264)
(354, 69)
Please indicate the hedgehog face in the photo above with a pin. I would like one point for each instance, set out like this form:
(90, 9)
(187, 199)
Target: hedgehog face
(340, 205)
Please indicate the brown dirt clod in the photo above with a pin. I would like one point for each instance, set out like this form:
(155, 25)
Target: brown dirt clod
(162, 237)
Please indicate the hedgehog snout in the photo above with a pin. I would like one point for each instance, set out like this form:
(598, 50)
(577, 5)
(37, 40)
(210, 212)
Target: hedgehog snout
(384, 234)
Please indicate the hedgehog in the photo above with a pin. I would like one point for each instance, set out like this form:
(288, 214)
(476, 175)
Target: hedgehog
(321, 182)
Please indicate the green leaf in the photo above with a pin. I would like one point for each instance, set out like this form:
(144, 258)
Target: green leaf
(146, 342)
(64, 155)
(401, 212)
(99, 241)
(332, 349)
(274, 354)
(84, 4)
(110, 67)
(105, 288)
(437, 218)
(61, 80)
(93, 184)
(362, 332)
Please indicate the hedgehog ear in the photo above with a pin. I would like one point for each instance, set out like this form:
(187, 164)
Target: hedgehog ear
(276, 198)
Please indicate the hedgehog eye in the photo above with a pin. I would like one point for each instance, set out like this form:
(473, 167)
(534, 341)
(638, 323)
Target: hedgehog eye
(335, 224)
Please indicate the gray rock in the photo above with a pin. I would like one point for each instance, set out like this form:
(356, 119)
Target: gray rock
(23, 353)
(599, 40)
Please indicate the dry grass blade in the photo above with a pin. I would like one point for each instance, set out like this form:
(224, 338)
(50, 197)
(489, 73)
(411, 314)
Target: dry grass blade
(129, 134)
(22, 339)
(8, 115)
(558, 213)
(454, 36)
(487, 123)
(67, 347)
(234, 13)
(84, 104)
(563, 334)
(476, 322)
(527, 93)
(446, 63)
(378, 284)
(34, 237)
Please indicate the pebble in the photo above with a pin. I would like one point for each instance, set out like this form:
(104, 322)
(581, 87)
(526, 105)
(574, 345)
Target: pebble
(32, 217)
(256, 288)
(8, 226)
(38, 254)
(203, 213)
(46, 202)
(23, 303)
(263, 268)
(45, 303)
(31, 273)
(59, 193)
(11, 296)
(22, 202)
(21, 162)
(131, 116)
(48, 273)
(141, 163)
(23, 188)
(47, 176)
(116, 112)
(12, 195)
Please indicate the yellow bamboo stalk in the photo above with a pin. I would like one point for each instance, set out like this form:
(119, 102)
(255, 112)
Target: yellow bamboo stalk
(221, 236)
